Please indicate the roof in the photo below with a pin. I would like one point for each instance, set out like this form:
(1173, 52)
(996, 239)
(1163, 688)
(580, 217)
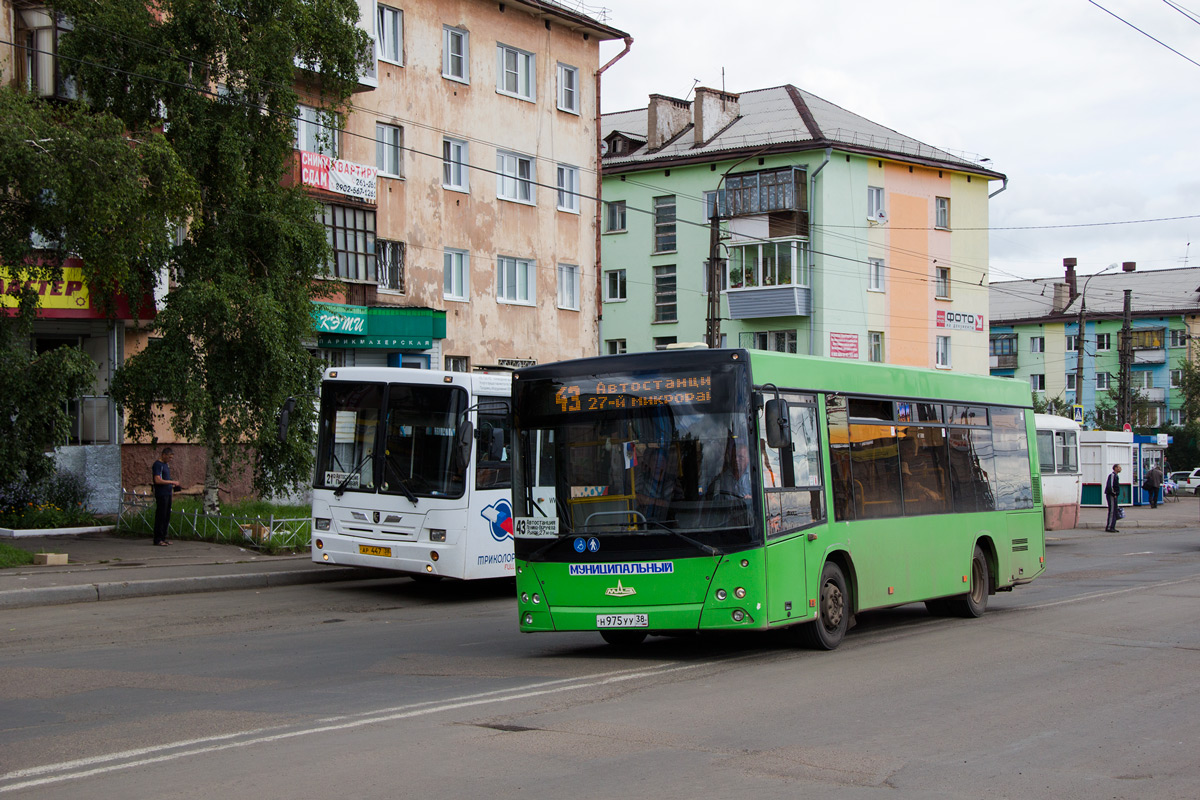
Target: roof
(1154, 293)
(782, 119)
(573, 14)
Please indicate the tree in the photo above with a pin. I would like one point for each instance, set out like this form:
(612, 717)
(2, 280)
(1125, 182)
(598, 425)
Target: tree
(80, 184)
(1058, 406)
(221, 76)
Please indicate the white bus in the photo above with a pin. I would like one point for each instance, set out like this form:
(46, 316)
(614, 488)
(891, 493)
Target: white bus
(413, 472)
(1058, 453)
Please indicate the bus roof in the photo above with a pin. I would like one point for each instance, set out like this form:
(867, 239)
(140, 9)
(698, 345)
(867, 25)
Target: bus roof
(1054, 422)
(498, 383)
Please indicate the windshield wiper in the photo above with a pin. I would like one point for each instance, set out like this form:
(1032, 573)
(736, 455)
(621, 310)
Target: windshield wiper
(706, 548)
(400, 481)
(341, 489)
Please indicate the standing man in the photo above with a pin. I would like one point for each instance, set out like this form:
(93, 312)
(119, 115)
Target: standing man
(1154, 482)
(164, 488)
(1112, 492)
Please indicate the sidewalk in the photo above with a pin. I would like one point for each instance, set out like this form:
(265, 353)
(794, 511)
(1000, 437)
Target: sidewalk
(1182, 513)
(102, 566)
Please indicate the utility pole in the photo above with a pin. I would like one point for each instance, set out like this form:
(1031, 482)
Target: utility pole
(1124, 383)
(714, 276)
(1070, 264)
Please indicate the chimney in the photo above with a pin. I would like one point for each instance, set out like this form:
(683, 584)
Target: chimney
(714, 110)
(1062, 296)
(666, 117)
(1069, 263)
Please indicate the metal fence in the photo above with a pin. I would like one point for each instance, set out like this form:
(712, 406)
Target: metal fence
(269, 534)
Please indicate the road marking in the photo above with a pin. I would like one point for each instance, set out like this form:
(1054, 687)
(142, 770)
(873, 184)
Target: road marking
(1097, 595)
(1140, 553)
(100, 765)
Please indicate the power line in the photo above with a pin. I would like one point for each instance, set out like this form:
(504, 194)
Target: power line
(1143, 33)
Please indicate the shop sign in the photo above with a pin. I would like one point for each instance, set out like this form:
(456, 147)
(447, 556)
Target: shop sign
(958, 321)
(69, 293)
(335, 175)
(340, 319)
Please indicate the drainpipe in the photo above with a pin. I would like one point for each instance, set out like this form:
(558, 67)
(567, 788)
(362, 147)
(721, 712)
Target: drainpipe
(812, 257)
(600, 199)
(998, 191)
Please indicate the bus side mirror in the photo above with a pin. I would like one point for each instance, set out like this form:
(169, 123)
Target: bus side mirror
(463, 438)
(285, 414)
(778, 424)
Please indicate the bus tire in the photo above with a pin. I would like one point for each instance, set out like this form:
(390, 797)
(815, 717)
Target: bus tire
(623, 639)
(937, 607)
(974, 602)
(833, 611)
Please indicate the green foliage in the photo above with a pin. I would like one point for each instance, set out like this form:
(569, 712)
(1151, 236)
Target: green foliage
(14, 556)
(222, 74)
(291, 533)
(1057, 406)
(55, 502)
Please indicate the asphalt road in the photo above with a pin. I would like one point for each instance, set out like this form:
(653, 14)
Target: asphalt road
(1081, 685)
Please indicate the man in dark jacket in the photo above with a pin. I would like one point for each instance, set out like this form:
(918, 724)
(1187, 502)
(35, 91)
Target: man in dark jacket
(1153, 485)
(1112, 493)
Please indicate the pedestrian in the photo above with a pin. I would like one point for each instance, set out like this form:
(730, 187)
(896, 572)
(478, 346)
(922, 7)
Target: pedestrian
(1154, 482)
(1112, 492)
(164, 489)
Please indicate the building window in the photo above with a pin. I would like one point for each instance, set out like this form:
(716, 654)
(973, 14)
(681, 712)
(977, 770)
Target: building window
(942, 206)
(458, 364)
(875, 274)
(875, 346)
(568, 188)
(1003, 345)
(514, 280)
(1037, 382)
(1176, 378)
(389, 257)
(315, 131)
(1037, 344)
(1070, 381)
(664, 294)
(350, 233)
(389, 34)
(455, 59)
(614, 285)
(875, 203)
(663, 342)
(1103, 341)
(568, 88)
(615, 219)
(767, 264)
(1103, 380)
(664, 224)
(1148, 339)
(454, 165)
(615, 347)
(756, 193)
(775, 341)
(942, 286)
(515, 73)
(455, 269)
(389, 141)
(1177, 417)
(943, 352)
(568, 287)
(1141, 380)
(515, 179)
(1179, 338)
(1072, 343)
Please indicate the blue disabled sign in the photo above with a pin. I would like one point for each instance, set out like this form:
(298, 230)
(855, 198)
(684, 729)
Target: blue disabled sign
(580, 545)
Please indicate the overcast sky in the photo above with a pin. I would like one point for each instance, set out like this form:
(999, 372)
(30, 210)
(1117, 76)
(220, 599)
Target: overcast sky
(1091, 121)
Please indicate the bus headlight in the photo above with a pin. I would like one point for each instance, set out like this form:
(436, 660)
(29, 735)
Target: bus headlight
(436, 535)
(721, 594)
(738, 615)
(739, 593)
(529, 619)
(321, 524)
(433, 555)
(536, 598)
(524, 597)
(320, 545)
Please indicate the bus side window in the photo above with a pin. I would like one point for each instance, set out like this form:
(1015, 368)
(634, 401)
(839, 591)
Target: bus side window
(838, 422)
(792, 476)
(493, 468)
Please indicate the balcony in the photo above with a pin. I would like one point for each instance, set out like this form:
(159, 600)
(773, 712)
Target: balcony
(1155, 394)
(1006, 361)
(1149, 356)
(770, 301)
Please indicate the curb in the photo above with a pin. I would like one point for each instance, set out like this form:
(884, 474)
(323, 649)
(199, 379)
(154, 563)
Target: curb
(117, 590)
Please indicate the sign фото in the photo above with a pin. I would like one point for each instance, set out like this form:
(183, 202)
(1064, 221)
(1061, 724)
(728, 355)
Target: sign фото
(958, 321)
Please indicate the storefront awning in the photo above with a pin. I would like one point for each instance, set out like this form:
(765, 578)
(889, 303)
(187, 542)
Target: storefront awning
(341, 326)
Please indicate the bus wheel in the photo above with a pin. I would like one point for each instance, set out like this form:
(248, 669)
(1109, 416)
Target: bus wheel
(623, 638)
(974, 602)
(833, 613)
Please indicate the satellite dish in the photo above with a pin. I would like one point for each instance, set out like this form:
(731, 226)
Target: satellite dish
(603, 148)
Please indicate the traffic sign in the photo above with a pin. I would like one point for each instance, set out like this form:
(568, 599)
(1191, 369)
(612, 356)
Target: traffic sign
(1127, 427)
(1078, 414)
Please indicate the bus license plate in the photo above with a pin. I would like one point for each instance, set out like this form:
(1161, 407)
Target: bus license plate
(368, 550)
(622, 620)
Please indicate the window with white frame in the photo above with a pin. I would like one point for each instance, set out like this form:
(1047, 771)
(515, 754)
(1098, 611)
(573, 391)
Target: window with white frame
(455, 54)
(315, 131)
(514, 179)
(615, 217)
(1037, 382)
(942, 284)
(1177, 417)
(943, 352)
(775, 341)
(1072, 342)
(664, 224)
(767, 264)
(568, 287)
(663, 342)
(1103, 341)
(615, 347)
(1178, 338)
(875, 346)
(389, 142)
(1037, 344)
(1143, 379)
(514, 280)
(455, 163)
(1176, 378)
(568, 88)
(875, 209)
(389, 260)
(942, 212)
(614, 286)
(875, 274)
(514, 72)
(1103, 380)
(389, 34)
(568, 188)
(1071, 381)
(456, 266)
(664, 294)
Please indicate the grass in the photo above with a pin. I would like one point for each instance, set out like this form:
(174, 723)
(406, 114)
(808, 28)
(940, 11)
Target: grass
(189, 522)
(14, 556)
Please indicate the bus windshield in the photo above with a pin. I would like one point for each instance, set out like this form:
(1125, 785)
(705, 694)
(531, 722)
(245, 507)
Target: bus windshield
(660, 458)
(397, 439)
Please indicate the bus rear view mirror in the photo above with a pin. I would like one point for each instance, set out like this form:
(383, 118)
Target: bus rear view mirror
(463, 437)
(284, 418)
(778, 424)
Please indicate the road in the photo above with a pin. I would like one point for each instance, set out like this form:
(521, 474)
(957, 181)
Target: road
(1081, 685)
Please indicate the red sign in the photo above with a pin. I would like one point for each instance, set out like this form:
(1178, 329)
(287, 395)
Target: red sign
(843, 345)
(1128, 428)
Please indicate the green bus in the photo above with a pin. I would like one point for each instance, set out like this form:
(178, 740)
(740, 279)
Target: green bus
(686, 490)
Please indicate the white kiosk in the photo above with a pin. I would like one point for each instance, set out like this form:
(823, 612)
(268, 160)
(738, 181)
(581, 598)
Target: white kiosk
(1098, 451)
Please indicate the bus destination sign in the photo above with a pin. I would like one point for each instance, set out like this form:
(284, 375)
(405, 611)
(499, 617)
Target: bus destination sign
(631, 392)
